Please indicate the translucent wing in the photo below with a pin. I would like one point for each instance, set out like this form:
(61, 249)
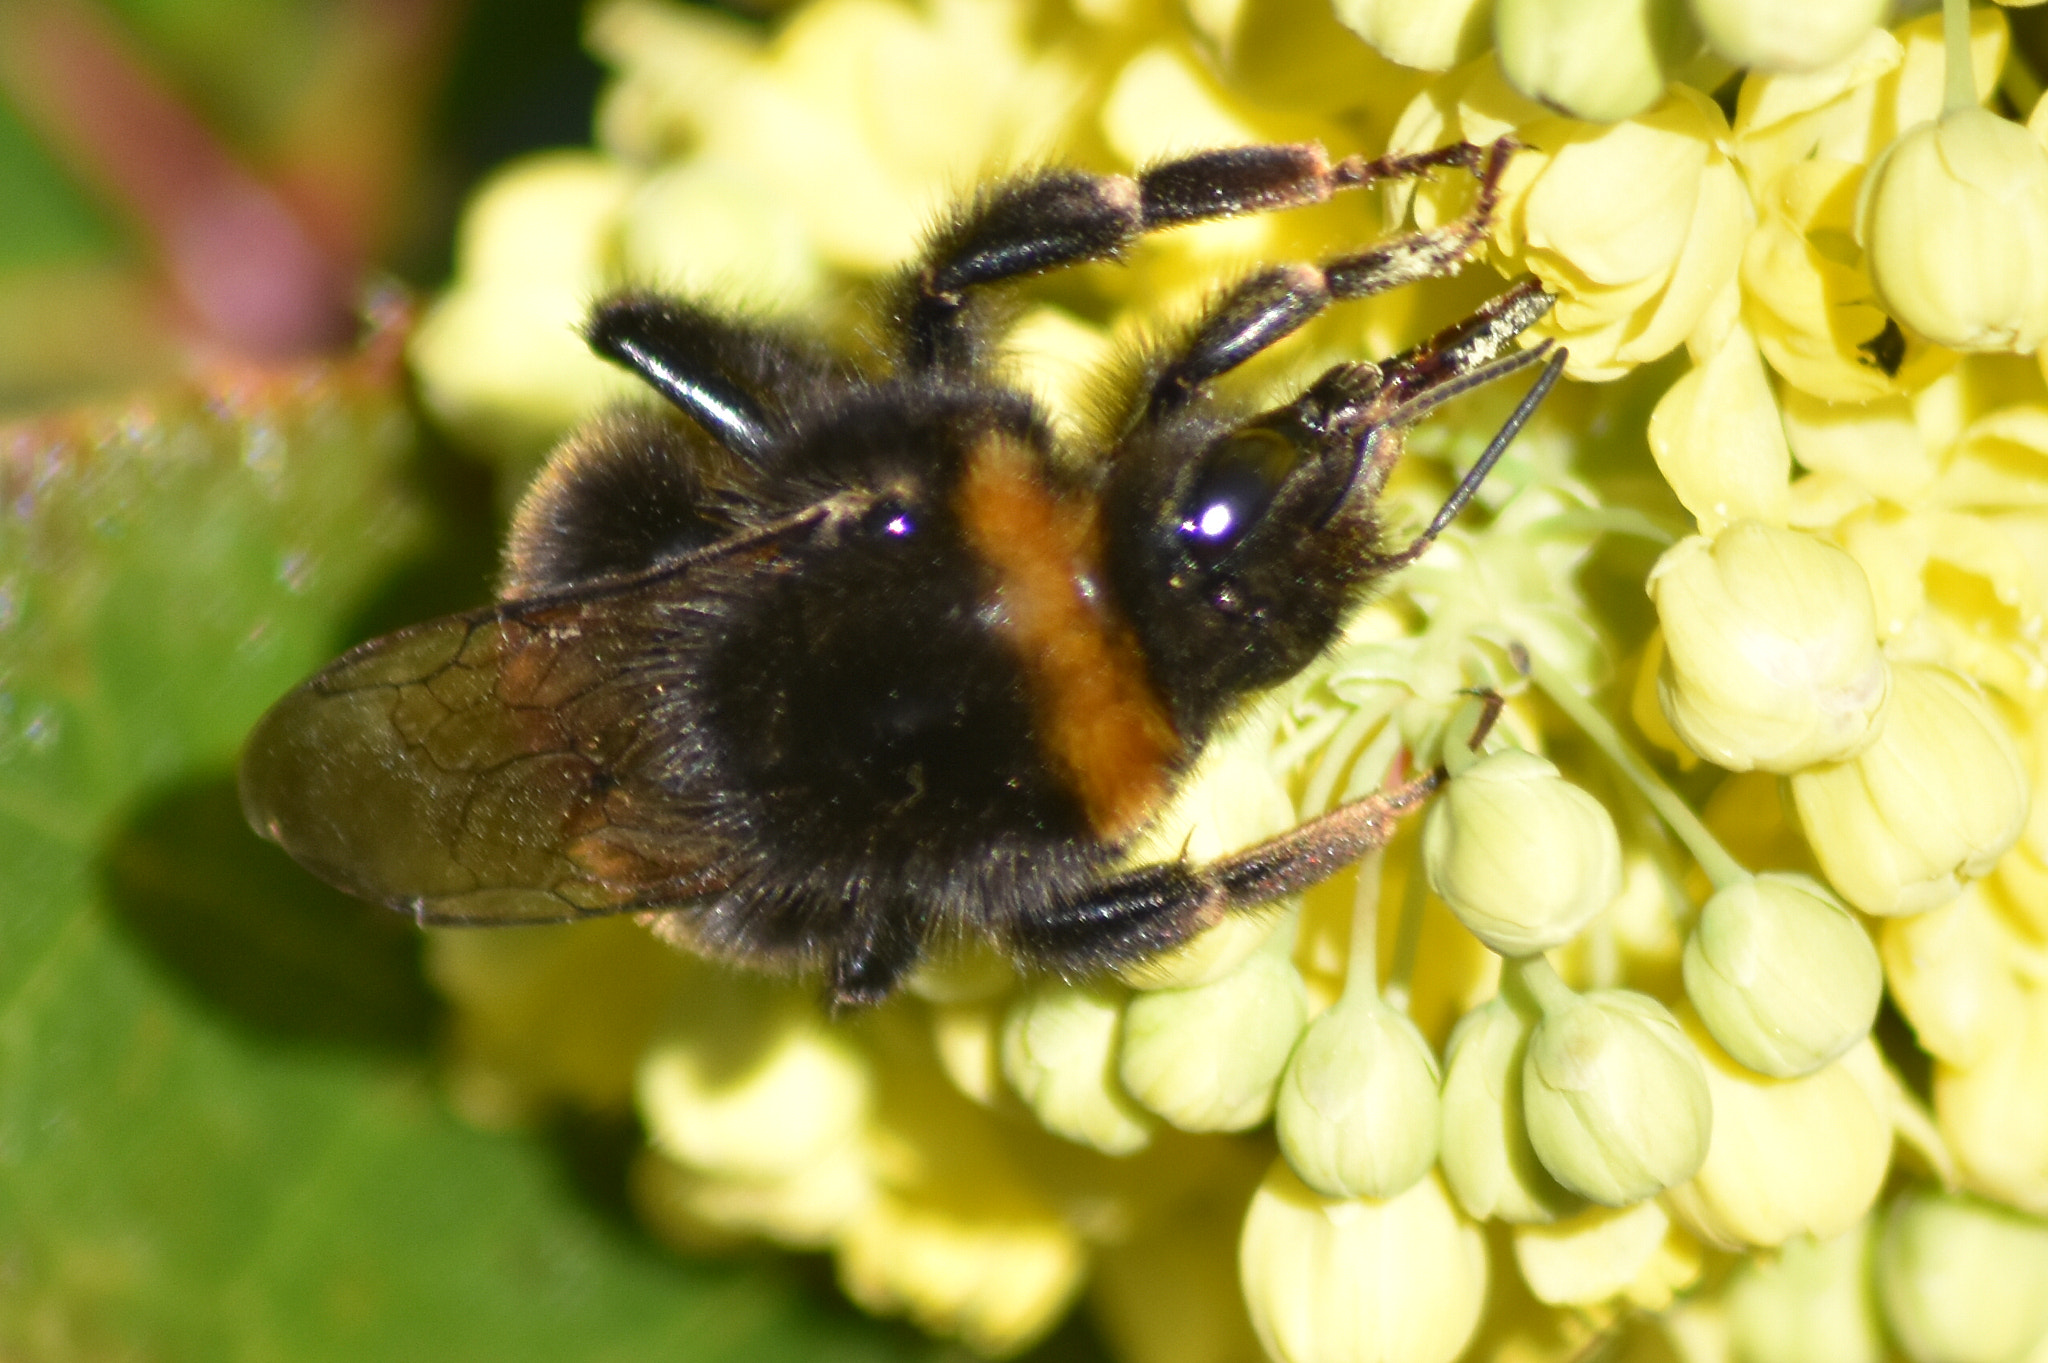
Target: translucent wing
(503, 766)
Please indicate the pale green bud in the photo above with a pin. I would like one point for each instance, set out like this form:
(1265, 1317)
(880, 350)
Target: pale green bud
(1953, 221)
(1934, 802)
(1430, 35)
(1524, 858)
(1355, 1280)
(1209, 1058)
(1059, 1048)
(1487, 1159)
(1770, 36)
(1770, 648)
(1601, 60)
(1788, 1156)
(1961, 1280)
(1358, 1109)
(1615, 1097)
(1783, 976)
(1810, 1303)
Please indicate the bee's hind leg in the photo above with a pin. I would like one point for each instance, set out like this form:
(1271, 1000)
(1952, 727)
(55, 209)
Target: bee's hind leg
(1142, 912)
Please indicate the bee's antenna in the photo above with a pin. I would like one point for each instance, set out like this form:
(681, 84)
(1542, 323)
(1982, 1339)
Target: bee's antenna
(1496, 447)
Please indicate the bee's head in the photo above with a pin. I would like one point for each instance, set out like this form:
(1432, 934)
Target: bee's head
(1239, 549)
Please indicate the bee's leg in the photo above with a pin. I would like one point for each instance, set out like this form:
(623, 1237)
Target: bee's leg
(1144, 911)
(1063, 217)
(1276, 302)
(878, 949)
(725, 375)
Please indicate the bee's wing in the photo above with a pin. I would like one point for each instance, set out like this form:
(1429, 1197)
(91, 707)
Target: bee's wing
(499, 766)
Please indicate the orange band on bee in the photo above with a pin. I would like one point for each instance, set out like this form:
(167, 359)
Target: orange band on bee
(1099, 717)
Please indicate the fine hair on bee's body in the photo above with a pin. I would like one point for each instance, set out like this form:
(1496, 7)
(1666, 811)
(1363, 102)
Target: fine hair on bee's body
(834, 662)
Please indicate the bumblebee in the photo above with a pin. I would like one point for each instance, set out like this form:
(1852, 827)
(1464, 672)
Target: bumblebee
(853, 659)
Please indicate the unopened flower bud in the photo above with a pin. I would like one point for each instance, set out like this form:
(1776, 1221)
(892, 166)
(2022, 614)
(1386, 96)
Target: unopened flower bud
(1399, 1281)
(1430, 35)
(1524, 858)
(1487, 1159)
(1782, 975)
(801, 1090)
(1810, 1303)
(1615, 1097)
(1358, 1109)
(1772, 37)
(1953, 220)
(1947, 973)
(1993, 1111)
(1770, 648)
(1788, 1157)
(1935, 801)
(1059, 1053)
(1962, 1280)
(1209, 1058)
(1600, 60)
(1600, 1253)
(997, 1281)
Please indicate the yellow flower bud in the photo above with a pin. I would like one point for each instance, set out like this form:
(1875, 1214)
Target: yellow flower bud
(1358, 1109)
(1994, 1111)
(1948, 974)
(1059, 1053)
(1524, 858)
(1359, 1281)
(1597, 1254)
(1719, 439)
(1783, 976)
(998, 1275)
(1953, 219)
(1874, 445)
(1209, 1058)
(1962, 1280)
(1615, 1097)
(752, 1083)
(1774, 37)
(1637, 226)
(1487, 1159)
(1433, 35)
(1788, 1157)
(1936, 800)
(1770, 648)
(1807, 295)
(1812, 1303)
(498, 358)
(1601, 60)
(804, 1209)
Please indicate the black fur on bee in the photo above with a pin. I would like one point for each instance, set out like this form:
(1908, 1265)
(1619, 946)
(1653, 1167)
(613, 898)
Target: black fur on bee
(837, 661)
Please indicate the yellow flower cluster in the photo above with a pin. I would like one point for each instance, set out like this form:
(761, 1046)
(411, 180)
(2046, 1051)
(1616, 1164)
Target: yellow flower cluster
(1588, 1051)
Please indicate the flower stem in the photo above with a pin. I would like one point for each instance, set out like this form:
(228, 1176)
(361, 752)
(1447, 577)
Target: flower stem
(1362, 968)
(1721, 868)
(1539, 980)
(1960, 90)
(1407, 938)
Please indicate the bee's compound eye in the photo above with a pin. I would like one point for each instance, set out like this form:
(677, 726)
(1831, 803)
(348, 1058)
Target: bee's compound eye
(1239, 476)
(890, 520)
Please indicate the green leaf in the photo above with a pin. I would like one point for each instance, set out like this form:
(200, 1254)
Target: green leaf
(219, 1132)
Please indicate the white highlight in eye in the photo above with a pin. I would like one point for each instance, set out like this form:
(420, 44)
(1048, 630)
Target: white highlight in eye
(1216, 521)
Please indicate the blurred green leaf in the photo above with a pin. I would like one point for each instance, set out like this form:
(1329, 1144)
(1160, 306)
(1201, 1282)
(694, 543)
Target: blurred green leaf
(219, 1136)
